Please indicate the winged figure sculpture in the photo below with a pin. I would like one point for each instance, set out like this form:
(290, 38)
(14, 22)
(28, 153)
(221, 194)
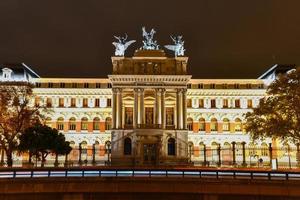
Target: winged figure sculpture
(121, 45)
(178, 46)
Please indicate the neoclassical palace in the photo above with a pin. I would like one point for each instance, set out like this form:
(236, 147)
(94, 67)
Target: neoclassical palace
(149, 110)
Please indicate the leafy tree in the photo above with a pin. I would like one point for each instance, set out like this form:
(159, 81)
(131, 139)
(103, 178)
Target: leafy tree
(41, 140)
(16, 114)
(278, 114)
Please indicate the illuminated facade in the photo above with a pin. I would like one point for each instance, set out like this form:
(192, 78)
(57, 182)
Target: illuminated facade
(149, 110)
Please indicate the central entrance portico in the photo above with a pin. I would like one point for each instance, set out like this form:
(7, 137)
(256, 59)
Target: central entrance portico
(149, 109)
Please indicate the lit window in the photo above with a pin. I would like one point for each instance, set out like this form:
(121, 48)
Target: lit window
(85, 103)
(171, 147)
(84, 123)
(214, 124)
(96, 124)
(225, 125)
(201, 103)
(249, 103)
(225, 103)
(202, 124)
(72, 124)
(190, 124)
(238, 125)
(97, 103)
(73, 102)
(60, 124)
(237, 103)
(61, 102)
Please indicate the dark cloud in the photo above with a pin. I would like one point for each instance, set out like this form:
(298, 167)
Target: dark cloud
(224, 38)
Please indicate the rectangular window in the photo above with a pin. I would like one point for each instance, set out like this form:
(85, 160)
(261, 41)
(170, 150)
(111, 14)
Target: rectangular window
(212, 86)
(73, 102)
(49, 103)
(189, 86)
(61, 102)
(200, 86)
(85, 103)
(74, 85)
(225, 103)
(224, 86)
(189, 103)
(248, 86)
(86, 85)
(98, 85)
(249, 103)
(237, 103)
(97, 103)
(38, 85)
(50, 85)
(213, 103)
(201, 103)
(108, 102)
(236, 86)
(109, 85)
(62, 85)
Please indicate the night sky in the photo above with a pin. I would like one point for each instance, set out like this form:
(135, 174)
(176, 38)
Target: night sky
(223, 38)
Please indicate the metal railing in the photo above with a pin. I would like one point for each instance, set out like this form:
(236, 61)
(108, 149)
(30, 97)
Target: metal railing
(151, 173)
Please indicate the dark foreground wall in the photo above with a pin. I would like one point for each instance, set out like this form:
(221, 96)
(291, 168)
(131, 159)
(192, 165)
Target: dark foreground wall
(129, 188)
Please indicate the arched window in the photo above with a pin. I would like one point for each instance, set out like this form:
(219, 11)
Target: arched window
(84, 147)
(96, 123)
(264, 149)
(171, 147)
(190, 124)
(213, 124)
(225, 125)
(214, 149)
(48, 122)
(127, 146)
(84, 123)
(201, 149)
(60, 124)
(226, 150)
(97, 147)
(239, 149)
(201, 124)
(238, 124)
(72, 123)
(190, 148)
(108, 122)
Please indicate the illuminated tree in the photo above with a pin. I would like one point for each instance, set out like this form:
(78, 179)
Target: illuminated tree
(278, 114)
(16, 114)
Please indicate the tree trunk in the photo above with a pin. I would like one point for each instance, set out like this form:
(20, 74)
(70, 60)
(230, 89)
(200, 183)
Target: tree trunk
(9, 159)
(30, 157)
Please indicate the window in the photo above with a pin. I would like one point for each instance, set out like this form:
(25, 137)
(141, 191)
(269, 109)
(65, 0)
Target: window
(225, 125)
(50, 85)
(85, 103)
(189, 86)
(49, 102)
(96, 123)
(200, 86)
(72, 124)
(84, 123)
(171, 147)
(213, 103)
(237, 103)
(109, 85)
(201, 124)
(86, 85)
(74, 85)
(108, 122)
(61, 102)
(98, 85)
(201, 149)
(212, 86)
(189, 103)
(214, 124)
(62, 85)
(248, 85)
(97, 103)
(249, 103)
(201, 103)
(252, 150)
(108, 102)
(224, 86)
(238, 125)
(225, 103)
(60, 124)
(83, 146)
(236, 86)
(38, 85)
(127, 146)
(190, 124)
(73, 102)
(214, 149)
(37, 101)
(239, 149)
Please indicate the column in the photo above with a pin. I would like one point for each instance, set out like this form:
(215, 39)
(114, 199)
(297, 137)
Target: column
(114, 108)
(119, 112)
(233, 153)
(244, 154)
(142, 117)
(135, 108)
(184, 109)
(156, 107)
(163, 109)
(178, 109)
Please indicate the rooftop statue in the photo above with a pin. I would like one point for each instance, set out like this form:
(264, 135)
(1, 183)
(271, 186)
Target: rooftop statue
(178, 46)
(148, 42)
(122, 45)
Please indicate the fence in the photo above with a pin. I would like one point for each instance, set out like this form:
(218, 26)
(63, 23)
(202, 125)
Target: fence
(206, 157)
